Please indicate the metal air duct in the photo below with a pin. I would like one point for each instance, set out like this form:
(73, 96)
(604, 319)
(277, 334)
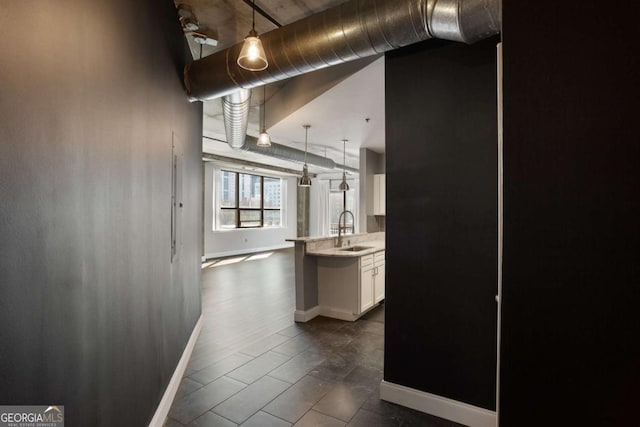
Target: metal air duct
(352, 30)
(285, 152)
(235, 110)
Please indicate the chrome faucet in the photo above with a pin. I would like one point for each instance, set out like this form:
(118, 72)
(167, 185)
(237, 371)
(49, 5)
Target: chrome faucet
(340, 228)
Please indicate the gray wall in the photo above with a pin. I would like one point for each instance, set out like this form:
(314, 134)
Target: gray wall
(93, 314)
(441, 239)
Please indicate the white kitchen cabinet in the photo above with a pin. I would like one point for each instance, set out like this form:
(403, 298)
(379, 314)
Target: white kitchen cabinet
(379, 194)
(371, 280)
(366, 282)
(350, 286)
(378, 277)
(366, 289)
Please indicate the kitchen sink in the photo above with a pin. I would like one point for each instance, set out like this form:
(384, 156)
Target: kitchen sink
(356, 248)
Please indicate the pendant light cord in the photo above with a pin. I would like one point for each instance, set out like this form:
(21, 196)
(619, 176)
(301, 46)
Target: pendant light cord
(264, 104)
(253, 16)
(306, 131)
(344, 161)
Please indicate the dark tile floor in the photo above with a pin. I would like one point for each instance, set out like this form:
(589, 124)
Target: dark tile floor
(324, 372)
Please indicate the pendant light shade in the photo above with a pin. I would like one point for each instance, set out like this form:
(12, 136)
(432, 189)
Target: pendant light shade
(305, 181)
(264, 140)
(343, 185)
(252, 56)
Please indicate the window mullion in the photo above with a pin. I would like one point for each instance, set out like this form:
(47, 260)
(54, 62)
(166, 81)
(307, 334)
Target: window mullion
(237, 200)
(233, 200)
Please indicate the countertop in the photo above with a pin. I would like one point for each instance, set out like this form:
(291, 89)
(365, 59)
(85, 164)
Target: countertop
(372, 245)
(322, 238)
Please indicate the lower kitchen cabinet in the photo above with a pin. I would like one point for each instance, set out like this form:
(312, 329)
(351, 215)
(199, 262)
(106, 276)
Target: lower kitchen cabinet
(366, 289)
(378, 277)
(350, 286)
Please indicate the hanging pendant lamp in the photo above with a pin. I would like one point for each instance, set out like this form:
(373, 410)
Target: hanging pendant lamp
(305, 181)
(343, 185)
(252, 56)
(264, 140)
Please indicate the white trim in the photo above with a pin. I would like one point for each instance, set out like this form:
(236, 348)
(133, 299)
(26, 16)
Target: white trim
(442, 407)
(337, 313)
(304, 316)
(244, 229)
(170, 393)
(245, 251)
(500, 224)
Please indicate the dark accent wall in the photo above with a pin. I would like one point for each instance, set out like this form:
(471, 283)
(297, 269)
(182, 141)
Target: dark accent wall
(441, 153)
(93, 314)
(570, 326)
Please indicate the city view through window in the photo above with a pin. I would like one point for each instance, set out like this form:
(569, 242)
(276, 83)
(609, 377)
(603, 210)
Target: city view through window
(249, 201)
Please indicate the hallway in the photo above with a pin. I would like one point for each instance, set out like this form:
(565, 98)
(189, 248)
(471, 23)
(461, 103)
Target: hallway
(253, 366)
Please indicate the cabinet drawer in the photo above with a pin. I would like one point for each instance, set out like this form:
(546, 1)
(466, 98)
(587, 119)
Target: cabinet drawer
(366, 261)
(378, 258)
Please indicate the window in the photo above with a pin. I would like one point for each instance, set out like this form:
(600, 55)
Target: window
(249, 201)
(340, 201)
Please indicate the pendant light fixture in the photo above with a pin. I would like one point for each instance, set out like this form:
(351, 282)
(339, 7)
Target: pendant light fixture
(305, 181)
(264, 140)
(252, 56)
(343, 185)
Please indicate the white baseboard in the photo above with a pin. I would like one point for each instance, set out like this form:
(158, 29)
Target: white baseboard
(304, 316)
(336, 313)
(245, 251)
(170, 393)
(442, 407)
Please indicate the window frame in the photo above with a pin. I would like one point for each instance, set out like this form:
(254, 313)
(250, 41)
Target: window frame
(238, 209)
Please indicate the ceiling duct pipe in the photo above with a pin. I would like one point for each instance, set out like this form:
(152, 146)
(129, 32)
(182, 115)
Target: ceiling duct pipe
(235, 110)
(466, 21)
(285, 152)
(351, 30)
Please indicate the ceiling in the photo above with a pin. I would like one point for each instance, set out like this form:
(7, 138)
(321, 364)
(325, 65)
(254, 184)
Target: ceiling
(336, 102)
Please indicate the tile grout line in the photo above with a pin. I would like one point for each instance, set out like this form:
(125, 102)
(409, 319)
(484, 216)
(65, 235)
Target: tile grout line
(221, 416)
(259, 409)
(274, 398)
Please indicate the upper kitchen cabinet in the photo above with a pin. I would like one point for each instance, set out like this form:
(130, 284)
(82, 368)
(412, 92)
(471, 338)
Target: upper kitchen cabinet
(379, 191)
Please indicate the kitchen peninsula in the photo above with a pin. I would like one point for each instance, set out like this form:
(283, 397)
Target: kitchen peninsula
(340, 282)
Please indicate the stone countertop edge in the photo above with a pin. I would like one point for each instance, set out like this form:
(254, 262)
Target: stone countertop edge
(321, 238)
(375, 246)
